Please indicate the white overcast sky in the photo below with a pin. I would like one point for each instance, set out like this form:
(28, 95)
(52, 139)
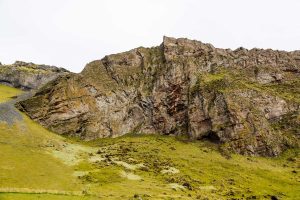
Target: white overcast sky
(71, 33)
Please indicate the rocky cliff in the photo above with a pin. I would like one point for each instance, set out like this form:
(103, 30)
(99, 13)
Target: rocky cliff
(245, 100)
(28, 76)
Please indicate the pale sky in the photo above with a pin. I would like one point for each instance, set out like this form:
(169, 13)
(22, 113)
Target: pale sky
(71, 33)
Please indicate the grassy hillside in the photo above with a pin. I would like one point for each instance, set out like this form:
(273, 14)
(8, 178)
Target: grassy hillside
(6, 93)
(38, 164)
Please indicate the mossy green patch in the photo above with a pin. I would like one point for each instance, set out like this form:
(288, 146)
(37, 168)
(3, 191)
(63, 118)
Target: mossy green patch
(29, 69)
(229, 81)
(201, 167)
(202, 171)
(25, 162)
(7, 93)
(25, 196)
(289, 123)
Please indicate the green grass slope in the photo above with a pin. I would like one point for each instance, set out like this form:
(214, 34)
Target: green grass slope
(6, 93)
(38, 164)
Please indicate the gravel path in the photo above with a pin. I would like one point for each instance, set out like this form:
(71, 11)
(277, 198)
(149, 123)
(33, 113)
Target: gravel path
(9, 114)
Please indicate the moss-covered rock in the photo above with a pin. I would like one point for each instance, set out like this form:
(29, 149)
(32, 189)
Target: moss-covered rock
(182, 87)
(28, 76)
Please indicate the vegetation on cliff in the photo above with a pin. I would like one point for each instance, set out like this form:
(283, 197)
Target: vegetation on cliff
(183, 88)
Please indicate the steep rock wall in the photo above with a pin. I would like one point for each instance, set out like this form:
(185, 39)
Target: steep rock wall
(238, 98)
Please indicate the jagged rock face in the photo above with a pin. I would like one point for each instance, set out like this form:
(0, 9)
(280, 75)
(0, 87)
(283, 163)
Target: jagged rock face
(238, 99)
(28, 76)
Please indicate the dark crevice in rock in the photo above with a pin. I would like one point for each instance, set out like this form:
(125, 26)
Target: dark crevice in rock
(212, 137)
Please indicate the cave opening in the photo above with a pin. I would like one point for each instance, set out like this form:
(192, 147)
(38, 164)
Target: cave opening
(212, 136)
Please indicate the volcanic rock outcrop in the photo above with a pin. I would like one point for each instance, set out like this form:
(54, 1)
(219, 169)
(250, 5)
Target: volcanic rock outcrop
(28, 76)
(245, 100)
